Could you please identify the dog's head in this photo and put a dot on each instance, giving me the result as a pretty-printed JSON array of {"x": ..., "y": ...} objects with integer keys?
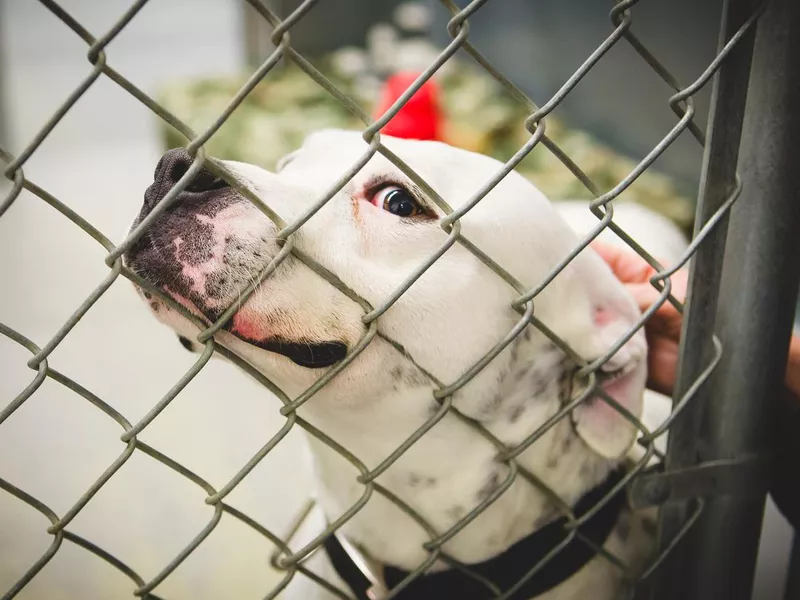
[{"x": 373, "y": 234}]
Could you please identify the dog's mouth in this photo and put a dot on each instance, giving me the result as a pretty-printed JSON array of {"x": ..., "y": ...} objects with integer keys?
[
  {"x": 305, "y": 354},
  {"x": 316, "y": 355}
]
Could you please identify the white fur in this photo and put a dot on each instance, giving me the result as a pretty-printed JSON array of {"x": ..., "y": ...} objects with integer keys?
[
  {"x": 655, "y": 233},
  {"x": 456, "y": 312}
]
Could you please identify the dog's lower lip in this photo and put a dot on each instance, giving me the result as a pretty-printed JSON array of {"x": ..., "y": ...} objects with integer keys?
[{"x": 309, "y": 355}]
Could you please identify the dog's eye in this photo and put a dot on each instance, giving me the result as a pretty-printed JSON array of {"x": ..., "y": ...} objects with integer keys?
[{"x": 397, "y": 201}]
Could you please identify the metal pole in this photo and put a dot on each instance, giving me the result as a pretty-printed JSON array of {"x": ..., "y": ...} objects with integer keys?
[
  {"x": 718, "y": 181},
  {"x": 756, "y": 308},
  {"x": 792, "y": 591}
]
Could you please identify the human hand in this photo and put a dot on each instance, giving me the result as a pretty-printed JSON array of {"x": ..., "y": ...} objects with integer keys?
[
  {"x": 793, "y": 367},
  {"x": 663, "y": 329}
]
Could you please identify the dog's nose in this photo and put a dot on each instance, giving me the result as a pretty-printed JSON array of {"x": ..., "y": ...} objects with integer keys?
[{"x": 172, "y": 166}]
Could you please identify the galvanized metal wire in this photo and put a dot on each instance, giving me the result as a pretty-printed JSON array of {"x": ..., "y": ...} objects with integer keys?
[{"x": 288, "y": 557}]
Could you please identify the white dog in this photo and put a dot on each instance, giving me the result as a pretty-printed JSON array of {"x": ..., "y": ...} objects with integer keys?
[{"x": 373, "y": 234}]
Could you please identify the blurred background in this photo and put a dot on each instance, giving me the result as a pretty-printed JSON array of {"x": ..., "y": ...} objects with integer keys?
[{"x": 192, "y": 55}]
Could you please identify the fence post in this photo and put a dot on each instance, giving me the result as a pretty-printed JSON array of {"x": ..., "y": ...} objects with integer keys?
[
  {"x": 759, "y": 290},
  {"x": 754, "y": 318},
  {"x": 717, "y": 183},
  {"x": 792, "y": 590}
]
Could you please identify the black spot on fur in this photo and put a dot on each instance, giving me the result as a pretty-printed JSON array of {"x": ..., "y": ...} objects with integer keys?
[
  {"x": 411, "y": 378},
  {"x": 186, "y": 343},
  {"x": 148, "y": 295},
  {"x": 155, "y": 306},
  {"x": 414, "y": 378},
  {"x": 234, "y": 252},
  {"x": 213, "y": 315},
  {"x": 415, "y": 480},
  {"x": 216, "y": 283},
  {"x": 420, "y": 481},
  {"x": 198, "y": 240},
  {"x": 491, "y": 484},
  {"x": 456, "y": 511},
  {"x": 514, "y": 351},
  {"x": 563, "y": 450},
  {"x": 516, "y": 413}
]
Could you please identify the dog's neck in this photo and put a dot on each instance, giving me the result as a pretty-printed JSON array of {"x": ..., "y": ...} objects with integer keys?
[{"x": 452, "y": 468}]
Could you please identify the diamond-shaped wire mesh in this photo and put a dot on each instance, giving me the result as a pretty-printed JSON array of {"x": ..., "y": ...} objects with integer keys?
[{"x": 289, "y": 557}]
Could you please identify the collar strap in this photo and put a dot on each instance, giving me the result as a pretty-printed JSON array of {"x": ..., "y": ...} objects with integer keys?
[{"x": 504, "y": 570}]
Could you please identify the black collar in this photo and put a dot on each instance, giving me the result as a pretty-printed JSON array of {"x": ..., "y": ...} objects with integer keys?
[{"x": 508, "y": 568}]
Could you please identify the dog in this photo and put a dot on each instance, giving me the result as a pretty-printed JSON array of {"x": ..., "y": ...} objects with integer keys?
[{"x": 373, "y": 234}]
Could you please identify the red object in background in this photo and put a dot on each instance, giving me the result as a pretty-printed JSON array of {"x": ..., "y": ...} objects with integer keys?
[{"x": 420, "y": 118}]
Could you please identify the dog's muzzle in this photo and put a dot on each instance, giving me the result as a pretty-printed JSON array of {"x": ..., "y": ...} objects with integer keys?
[
  {"x": 183, "y": 253},
  {"x": 173, "y": 165}
]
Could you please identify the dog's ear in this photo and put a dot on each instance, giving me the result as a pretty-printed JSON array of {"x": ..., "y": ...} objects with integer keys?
[{"x": 601, "y": 314}]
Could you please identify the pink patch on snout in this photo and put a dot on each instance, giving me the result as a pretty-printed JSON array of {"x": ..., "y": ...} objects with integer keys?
[
  {"x": 248, "y": 328},
  {"x": 602, "y": 316}
]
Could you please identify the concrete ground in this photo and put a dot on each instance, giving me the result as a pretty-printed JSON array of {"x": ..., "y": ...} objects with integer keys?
[{"x": 98, "y": 161}]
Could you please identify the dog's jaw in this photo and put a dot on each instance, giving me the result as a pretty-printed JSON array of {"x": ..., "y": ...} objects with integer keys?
[{"x": 451, "y": 469}]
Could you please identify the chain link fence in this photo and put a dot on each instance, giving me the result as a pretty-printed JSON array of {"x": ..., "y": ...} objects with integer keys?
[{"x": 647, "y": 485}]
